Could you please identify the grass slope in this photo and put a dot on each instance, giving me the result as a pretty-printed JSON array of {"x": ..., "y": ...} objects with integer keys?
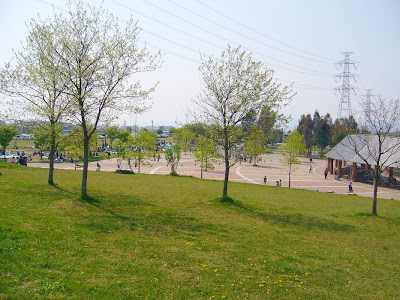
[{"x": 163, "y": 237}]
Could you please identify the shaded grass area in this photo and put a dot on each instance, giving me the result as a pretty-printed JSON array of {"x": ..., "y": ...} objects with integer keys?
[{"x": 164, "y": 237}]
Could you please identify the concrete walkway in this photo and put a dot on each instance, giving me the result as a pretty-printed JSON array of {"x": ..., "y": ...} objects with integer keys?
[{"x": 270, "y": 166}]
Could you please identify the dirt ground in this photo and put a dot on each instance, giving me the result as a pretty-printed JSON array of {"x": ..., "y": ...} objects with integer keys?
[{"x": 270, "y": 166}]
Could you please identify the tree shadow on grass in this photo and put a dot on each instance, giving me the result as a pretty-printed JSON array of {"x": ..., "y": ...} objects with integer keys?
[
  {"x": 58, "y": 187},
  {"x": 96, "y": 203},
  {"x": 291, "y": 219}
]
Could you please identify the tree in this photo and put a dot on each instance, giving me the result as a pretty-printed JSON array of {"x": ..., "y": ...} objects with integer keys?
[
  {"x": 380, "y": 149},
  {"x": 143, "y": 145},
  {"x": 255, "y": 143},
  {"x": 7, "y": 133},
  {"x": 235, "y": 85},
  {"x": 111, "y": 133},
  {"x": 291, "y": 148},
  {"x": 48, "y": 135},
  {"x": 37, "y": 78},
  {"x": 306, "y": 129},
  {"x": 99, "y": 59},
  {"x": 341, "y": 128},
  {"x": 184, "y": 136},
  {"x": 272, "y": 122},
  {"x": 74, "y": 144},
  {"x": 173, "y": 156},
  {"x": 206, "y": 153},
  {"x": 322, "y": 130}
]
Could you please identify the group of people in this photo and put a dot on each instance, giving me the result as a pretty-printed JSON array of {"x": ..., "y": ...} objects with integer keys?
[{"x": 277, "y": 183}]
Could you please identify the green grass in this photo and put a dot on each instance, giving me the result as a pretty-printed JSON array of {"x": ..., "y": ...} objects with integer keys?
[{"x": 164, "y": 237}]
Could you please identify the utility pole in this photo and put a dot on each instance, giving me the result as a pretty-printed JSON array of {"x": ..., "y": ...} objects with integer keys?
[{"x": 346, "y": 88}]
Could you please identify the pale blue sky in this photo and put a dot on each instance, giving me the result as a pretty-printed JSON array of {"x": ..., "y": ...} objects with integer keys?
[{"x": 279, "y": 33}]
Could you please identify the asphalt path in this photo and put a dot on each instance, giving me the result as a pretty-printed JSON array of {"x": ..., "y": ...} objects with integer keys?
[{"x": 270, "y": 166}]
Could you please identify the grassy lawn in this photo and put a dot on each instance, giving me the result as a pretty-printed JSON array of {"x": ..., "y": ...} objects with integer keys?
[{"x": 162, "y": 237}]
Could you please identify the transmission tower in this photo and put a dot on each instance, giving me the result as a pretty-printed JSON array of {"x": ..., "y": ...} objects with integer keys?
[{"x": 345, "y": 89}]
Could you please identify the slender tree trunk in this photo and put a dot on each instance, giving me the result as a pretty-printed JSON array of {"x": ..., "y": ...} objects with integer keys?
[
  {"x": 139, "y": 163},
  {"x": 375, "y": 196},
  {"x": 290, "y": 171},
  {"x": 226, "y": 157},
  {"x": 85, "y": 165},
  {"x": 51, "y": 155}
]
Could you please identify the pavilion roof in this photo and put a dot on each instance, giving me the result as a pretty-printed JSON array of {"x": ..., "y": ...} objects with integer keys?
[{"x": 362, "y": 148}]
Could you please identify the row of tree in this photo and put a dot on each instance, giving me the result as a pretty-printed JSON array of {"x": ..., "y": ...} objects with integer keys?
[
  {"x": 79, "y": 67},
  {"x": 320, "y": 132}
]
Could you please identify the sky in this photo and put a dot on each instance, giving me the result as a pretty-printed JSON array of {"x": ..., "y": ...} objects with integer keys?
[{"x": 300, "y": 40}]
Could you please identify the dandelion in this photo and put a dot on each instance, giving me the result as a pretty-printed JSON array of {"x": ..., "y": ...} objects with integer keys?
[
  {"x": 261, "y": 285},
  {"x": 216, "y": 270},
  {"x": 232, "y": 284}
]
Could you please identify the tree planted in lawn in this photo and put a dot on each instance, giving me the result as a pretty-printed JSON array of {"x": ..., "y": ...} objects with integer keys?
[
  {"x": 380, "y": 149},
  {"x": 99, "y": 59},
  {"x": 36, "y": 77},
  {"x": 235, "y": 85}
]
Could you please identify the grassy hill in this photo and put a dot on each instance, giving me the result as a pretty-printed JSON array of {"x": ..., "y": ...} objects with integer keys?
[{"x": 163, "y": 237}]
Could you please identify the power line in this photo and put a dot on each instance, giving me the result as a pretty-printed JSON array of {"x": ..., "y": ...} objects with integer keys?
[
  {"x": 297, "y": 85},
  {"x": 314, "y": 72},
  {"x": 245, "y": 36},
  {"x": 165, "y": 24},
  {"x": 264, "y": 35}
]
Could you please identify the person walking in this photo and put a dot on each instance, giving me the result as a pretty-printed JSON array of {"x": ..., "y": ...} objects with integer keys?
[
  {"x": 98, "y": 167},
  {"x": 265, "y": 179},
  {"x": 350, "y": 188},
  {"x": 326, "y": 173}
]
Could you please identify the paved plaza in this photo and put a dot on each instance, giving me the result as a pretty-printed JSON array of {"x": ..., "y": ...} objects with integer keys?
[{"x": 270, "y": 166}]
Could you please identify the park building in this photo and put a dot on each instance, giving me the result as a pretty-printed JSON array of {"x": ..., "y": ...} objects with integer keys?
[{"x": 356, "y": 154}]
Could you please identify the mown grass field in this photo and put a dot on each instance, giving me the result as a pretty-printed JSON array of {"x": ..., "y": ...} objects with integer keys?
[{"x": 163, "y": 237}]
